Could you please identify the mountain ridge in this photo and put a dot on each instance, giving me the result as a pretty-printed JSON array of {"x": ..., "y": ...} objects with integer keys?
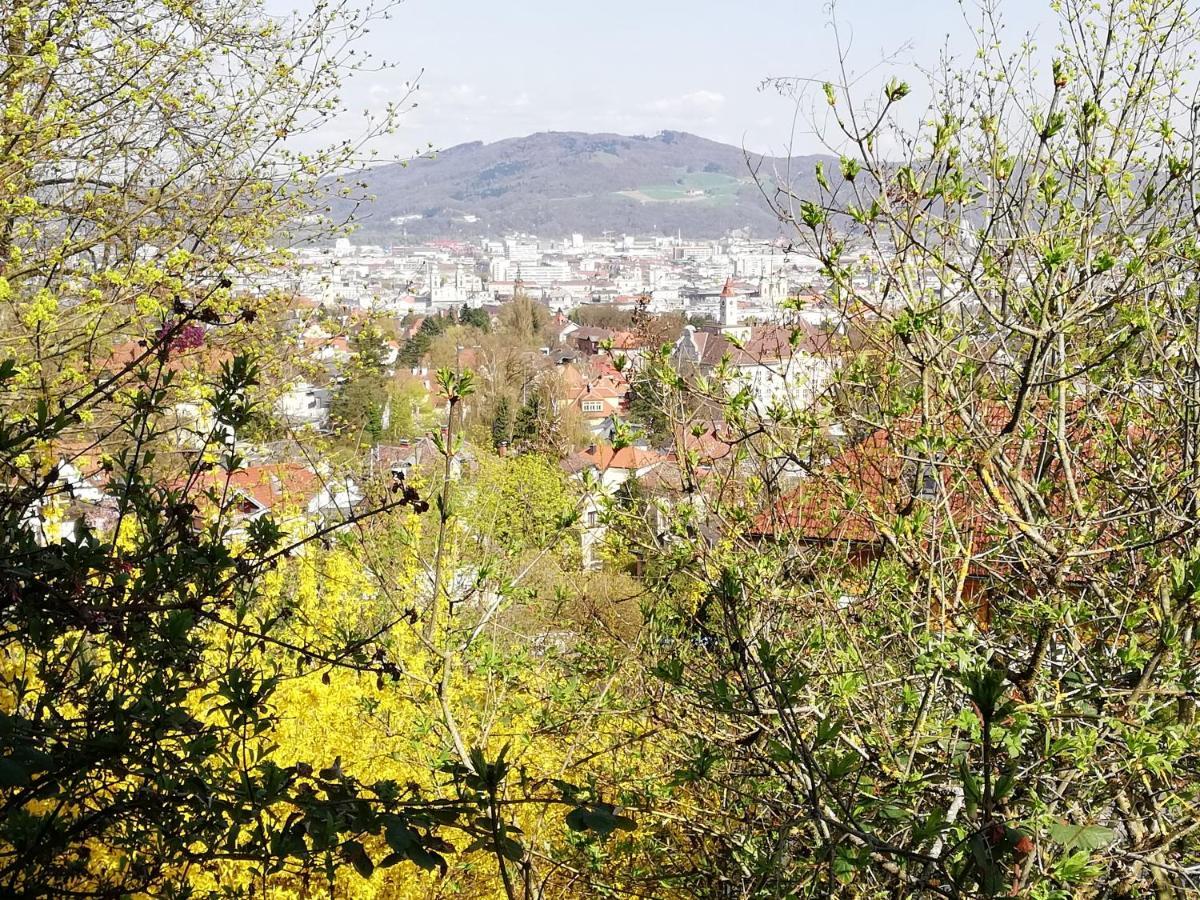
[{"x": 554, "y": 183}]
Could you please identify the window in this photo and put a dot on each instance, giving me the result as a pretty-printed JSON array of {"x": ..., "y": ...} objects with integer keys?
[
  {"x": 928, "y": 487},
  {"x": 592, "y": 518},
  {"x": 593, "y": 406}
]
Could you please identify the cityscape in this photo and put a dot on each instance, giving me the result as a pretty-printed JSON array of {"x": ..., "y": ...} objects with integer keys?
[{"x": 644, "y": 451}]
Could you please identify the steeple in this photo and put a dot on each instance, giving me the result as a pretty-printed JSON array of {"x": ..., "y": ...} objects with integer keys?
[{"x": 729, "y": 310}]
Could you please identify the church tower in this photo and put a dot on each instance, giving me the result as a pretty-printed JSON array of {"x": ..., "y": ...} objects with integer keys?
[
  {"x": 731, "y": 325},
  {"x": 729, "y": 310}
]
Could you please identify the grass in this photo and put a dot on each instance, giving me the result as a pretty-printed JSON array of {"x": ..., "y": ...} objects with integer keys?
[{"x": 717, "y": 188}]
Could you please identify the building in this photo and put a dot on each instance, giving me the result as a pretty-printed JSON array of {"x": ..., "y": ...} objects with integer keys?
[
  {"x": 602, "y": 470},
  {"x": 763, "y": 359}
]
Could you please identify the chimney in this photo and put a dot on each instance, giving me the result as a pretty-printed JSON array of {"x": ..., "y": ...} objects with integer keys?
[
  {"x": 591, "y": 449},
  {"x": 502, "y": 449}
]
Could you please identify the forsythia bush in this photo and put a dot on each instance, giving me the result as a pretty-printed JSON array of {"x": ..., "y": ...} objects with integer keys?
[{"x": 392, "y": 729}]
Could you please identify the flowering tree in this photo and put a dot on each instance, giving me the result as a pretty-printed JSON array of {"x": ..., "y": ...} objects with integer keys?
[{"x": 148, "y": 168}]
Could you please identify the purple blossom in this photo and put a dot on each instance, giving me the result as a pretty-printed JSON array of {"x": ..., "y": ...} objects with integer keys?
[{"x": 186, "y": 338}]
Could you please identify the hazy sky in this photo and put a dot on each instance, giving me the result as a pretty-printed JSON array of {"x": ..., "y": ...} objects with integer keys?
[{"x": 501, "y": 69}]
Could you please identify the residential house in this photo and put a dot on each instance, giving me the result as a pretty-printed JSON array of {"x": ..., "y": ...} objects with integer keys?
[
  {"x": 290, "y": 491},
  {"x": 603, "y": 469},
  {"x": 764, "y": 359},
  {"x": 305, "y": 404},
  {"x": 598, "y": 398},
  {"x": 881, "y": 491},
  {"x": 76, "y": 498}
]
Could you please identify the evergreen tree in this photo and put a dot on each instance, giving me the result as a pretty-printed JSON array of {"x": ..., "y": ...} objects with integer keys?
[
  {"x": 358, "y": 406},
  {"x": 418, "y": 345},
  {"x": 475, "y": 317},
  {"x": 646, "y": 408},
  {"x": 370, "y": 347},
  {"x": 528, "y": 421},
  {"x": 501, "y": 426},
  {"x": 374, "y": 423}
]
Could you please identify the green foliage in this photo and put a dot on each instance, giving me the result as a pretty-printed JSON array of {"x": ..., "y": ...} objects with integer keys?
[
  {"x": 359, "y": 404},
  {"x": 370, "y": 348},
  {"x": 950, "y": 652},
  {"x": 526, "y": 321},
  {"x": 418, "y": 345},
  {"x": 476, "y": 317},
  {"x": 501, "y": 426},
  {"x": 518, "y": 504}
]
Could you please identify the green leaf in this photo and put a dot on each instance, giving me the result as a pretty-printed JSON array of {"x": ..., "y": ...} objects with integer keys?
[
  {"x": 510, "y": 849},
  {"x": 599, "y": 819},
  {"x": 400, "y": 837},
  {"x": 356, "y": 855},
  {"x": 1083, "y": 837},
  {"x": 896, "y": 90},
  {"x": 12, "y": 774},
  {"x": 427, "y": 859}
]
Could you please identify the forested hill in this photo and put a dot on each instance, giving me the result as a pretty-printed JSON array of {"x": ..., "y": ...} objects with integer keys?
[{"x": 556, "y": 183}]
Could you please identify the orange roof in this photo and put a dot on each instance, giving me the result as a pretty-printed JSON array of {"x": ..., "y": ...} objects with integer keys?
[
  {"x": 625, "y": 340},
  {"x": 708, "y": 446},
  {"x": 340, "y": 342},
  {"x": 603, "y": 388},
  {"x": 605, "y": 458},
  {"x": 207, "y": 359},
  {"x": 267, "y": 485},
  {"x": 873, "y": 483}
]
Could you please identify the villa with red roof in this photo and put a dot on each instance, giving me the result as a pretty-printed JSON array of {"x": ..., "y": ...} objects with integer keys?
[{"x": 608, "y": 468}]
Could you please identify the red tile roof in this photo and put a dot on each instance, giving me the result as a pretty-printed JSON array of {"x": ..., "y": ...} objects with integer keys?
[
  {"x": 205, "y": 358},
  {"x": 268, "y": 485},
  {"x": 870, "y": 485},
  {"x": 604, "y": 458}
]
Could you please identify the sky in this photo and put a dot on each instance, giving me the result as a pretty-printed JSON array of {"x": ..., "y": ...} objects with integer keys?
[{"x": 490, "y": 70}]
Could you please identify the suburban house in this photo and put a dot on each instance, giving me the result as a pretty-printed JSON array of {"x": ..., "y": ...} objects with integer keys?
[
  {"x": 763, "y": 359},
  {"x": 397, "y": 460},
  {"x": 587, "y": 339},
  {"x": 605, "y": 469},
  {"x": 853, "y": 503},
  {"x": 288, "y": 490},
  {"x": 880, "y": 492},
  {"x": 305, "y": 404},
  {"x": 599, "y": 398}
]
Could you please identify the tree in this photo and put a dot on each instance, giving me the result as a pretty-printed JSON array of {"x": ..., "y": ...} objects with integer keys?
[
  {"x": 958, "y": 658},
  {"x": 417, "y": 346},
  {"x": 526, "y": 321},
  {"x": 647, "y": 408},
  {"x": 527, "y": 426},
  {"x": 370, "y": 348},
  {"x": 520, "y": 505},
  {"x": 501, "y": 427},
  {"x": 411, "y": 411},
  {"x": 145, "y": 172},
  {"x": 359, "y": 404},
  {"x": 476, "y": 317},
  {"x": 602, "y": 316}
]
